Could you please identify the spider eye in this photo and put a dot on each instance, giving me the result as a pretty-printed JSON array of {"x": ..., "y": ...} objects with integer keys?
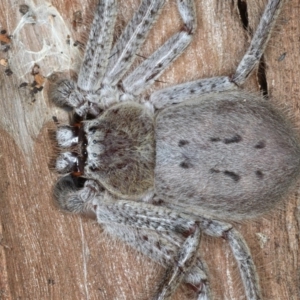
[
  {"x": 93, "y": 168},
  {"x": 93, "y": 129}
]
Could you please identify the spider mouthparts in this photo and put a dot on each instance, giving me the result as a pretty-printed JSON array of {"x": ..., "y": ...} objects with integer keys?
[
  {"x": 67, "y": 136},
  {"x": 69, "y": 162},
  {"x": 77, "y": 173},
  {"x": 78, "y": 169}
]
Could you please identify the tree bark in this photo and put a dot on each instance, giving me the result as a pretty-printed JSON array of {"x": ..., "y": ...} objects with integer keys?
[{"x": 45, "y": 254}]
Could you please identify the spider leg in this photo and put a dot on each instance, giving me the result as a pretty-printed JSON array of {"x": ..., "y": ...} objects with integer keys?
[
  {"x": 240, "y": 251},
  {"x": 198, "y": 280},
  {"x": 170, "y": 238},
  {"x": 98, "y": 47},
  {"x": 75, "y": 195},
  {"x": 148, "y": 216},
  {"x": 123, "y": 53},
  {"x": 186, "y": 91},
  {"x": 163, "y": 248},
  {"x": 189, "y": 90},
  {"x": 259, "y": 42},
  {"x": 146, "y": 73},
  {"x": 63, "y": 92}
]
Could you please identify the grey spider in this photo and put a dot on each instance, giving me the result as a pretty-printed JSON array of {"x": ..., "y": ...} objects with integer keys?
[{"x": 158, "y": 172}]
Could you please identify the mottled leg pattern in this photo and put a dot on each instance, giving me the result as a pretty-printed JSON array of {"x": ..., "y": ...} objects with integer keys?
[
  {"x": 169, "y": 237},
  {"x": 197, "y": 279},
  {"x": 245, "y": 262},
  {"x": 123, "y": 53},
  {"x": 98, "y": 47},
  {"x": 187, "y": 91},
  {"x": 147, "y": 72},
  {"x": 185, "y": 260},
  {"x": 103, "y": 68},
  {"x": 160, "y": 219},
  {"x": 258, "y": 43},
  {"x": 240, "y": 251},
  {"x": 163, "y": 247}
]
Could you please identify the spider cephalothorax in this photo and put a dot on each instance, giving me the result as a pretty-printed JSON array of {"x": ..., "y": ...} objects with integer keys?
[{"x": 158, "y": 172}]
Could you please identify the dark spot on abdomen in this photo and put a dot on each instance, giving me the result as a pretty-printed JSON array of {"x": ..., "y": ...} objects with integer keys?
[
  {"x": 185, "y": 164},
  {"x": 233, "y": 175},
  {"x": 215, "y": 139},
  {"x": 259, "y": 174},
  {"x": 260, "y": 145},
  {"x": 235, "y": 139},
  {"x": 183, "y": 143},
  {"x": 158, "y": 246}
]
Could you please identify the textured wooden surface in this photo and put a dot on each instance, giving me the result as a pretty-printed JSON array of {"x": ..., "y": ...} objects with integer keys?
[{"x": 45, "y": 254}]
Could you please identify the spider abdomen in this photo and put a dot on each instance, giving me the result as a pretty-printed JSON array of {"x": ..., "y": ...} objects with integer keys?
[
  {"x": 232, "y": 157},
  {"x": 121, "y": 150}
]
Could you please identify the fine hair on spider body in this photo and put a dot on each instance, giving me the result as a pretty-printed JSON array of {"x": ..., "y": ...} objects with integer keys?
[{"x": 159, "y": 172}]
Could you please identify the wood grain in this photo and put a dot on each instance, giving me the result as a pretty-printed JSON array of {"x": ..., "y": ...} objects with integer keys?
[{"x": 45, "y": 254}]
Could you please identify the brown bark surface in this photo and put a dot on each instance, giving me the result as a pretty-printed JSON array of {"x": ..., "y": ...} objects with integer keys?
[{"x": 45, "y": 254}]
